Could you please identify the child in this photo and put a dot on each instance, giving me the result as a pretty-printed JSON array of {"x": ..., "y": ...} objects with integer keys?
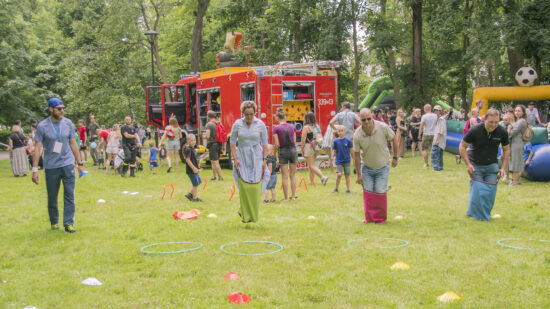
[
  {"x": 192, "y": 168},
  {"x": 82, "y": 136},
  {"x": 162, "y": 154},
  {"x": 99, "y": 152},
  {"x": 271, "y": 164},
  {"x": 342, "y": 152},
  {"x": 527, "y": 153},
  {"x": 153, "y": 161}
]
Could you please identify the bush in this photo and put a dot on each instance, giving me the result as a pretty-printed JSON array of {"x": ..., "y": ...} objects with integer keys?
[{"x": 4, "y": 135}]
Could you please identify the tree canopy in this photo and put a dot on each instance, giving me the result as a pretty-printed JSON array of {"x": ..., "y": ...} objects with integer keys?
[{"x": 96, "y": 57}]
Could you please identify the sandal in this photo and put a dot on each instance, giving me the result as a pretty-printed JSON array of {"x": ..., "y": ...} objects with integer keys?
[
  {"x": 266, "y": 201},
  {"x": 293, "y": 198},
  {"x": 272, "y": 201}
]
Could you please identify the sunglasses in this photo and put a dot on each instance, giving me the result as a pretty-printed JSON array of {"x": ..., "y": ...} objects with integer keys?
[
  {"x": 60, "y": 108},
  {"x": 366, "y": 119}
]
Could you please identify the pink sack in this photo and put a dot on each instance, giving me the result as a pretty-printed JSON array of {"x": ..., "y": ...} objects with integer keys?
[{"x": 376, "y": 207}]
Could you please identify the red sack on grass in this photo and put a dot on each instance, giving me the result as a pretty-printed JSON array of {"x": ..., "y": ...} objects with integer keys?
[
  {"x": 238, "y": 297},
  {"x": 232, "y": 276},
  {"x": 186, "y": 215}
]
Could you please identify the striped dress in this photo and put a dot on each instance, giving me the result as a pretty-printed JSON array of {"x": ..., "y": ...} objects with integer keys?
[{"x": 19, "y": 158}]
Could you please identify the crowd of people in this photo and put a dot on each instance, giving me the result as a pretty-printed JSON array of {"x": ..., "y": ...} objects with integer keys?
[{"x": 364, "y": 139}]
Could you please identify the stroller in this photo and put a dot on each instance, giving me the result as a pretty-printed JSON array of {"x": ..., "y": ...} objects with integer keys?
[{"x": 119, "y": 160}]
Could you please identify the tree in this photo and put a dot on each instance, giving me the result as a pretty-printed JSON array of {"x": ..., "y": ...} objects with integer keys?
[{"x": 196, "y": 42}]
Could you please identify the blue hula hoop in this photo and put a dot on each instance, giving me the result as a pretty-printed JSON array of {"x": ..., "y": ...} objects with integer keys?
[
  {"x": 171, "y": 252},
  {"x": 501, "y": 243},
  {"x": 404, "y": 243},
  {"x": 222, "y": 247}
]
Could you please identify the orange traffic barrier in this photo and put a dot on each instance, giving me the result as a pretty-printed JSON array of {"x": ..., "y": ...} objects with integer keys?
[
  {"x": 205, "y": 182},
  {"x": 164, "y": 190},
  {"x": 303, "y": 180},
  {"x": 312, "y": 177},
  {"x": 232, "y": 192}
]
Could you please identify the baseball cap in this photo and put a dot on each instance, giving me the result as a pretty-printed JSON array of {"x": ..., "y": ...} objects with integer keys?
[
  {"x": 54, "y": 102},
  {"x": 437, "y": 108}
]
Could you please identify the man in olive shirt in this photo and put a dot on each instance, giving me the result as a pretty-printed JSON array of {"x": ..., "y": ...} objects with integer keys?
[
  {"x": 131, "y": 145},
  {"x": 214, "y": 148},
  {"x": 371, "y": 141}
]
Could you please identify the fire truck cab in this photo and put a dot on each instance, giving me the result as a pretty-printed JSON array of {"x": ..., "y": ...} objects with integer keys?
[{"x": 297, "y": 87}]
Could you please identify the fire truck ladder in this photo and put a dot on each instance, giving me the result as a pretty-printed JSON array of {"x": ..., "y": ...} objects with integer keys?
[{"x": 311, "y": 67}]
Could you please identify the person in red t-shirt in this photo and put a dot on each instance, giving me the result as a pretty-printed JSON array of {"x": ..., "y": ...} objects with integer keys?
[
  {"x": 82, "y": 136},
  {"x": 104, "y": 134}
]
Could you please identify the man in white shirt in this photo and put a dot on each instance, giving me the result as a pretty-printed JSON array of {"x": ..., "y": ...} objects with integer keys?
[
  {"x": 533, "y": 117},
  {"x": 427, "y": 131},
  {"x": 440, "y": 140}
]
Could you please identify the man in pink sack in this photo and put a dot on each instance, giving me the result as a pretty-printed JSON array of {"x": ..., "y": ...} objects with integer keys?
[{"x": 371, "y": 140}]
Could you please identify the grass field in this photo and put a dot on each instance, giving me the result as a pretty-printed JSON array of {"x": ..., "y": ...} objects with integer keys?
[{"x": 447, "y": 251}]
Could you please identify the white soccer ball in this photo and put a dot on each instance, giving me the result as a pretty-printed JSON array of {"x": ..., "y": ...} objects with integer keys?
[{"x": 526, "y": 76}]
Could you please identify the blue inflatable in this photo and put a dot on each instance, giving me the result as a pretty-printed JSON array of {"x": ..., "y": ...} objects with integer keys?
[
  {"x": 539, "y": 167},
  {"x": 453, "y": 141}
]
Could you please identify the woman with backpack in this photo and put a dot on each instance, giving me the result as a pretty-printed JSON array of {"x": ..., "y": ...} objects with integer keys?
[
  {"x": 515, "y": 133},
  {"x": 19, "y": 151},
  {"x": 172, "y": 134},
  {"x": 312, "y": 141},
  {"x": 284, "y": 140}
]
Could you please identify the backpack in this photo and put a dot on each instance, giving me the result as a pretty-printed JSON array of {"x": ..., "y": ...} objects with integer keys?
[
  {"x": 221, "y": 134},
  {"x": 527, "y": 135}
]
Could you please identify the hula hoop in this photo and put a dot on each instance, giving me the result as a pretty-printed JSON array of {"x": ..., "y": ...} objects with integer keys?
[
  {"x": 171, "y": 252},
  {"x": 404, "y": 243},
  {"x": 222, "y": 248},
  {"x": 501, "y": 243}
]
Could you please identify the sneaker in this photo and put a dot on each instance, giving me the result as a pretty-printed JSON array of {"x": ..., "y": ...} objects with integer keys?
[
  {"x": 196, "y": 200},
  {"x": 189, "y": 196},
  {"x": 334, "y": 191},
  {"x": 348, "y": 191},
  {"x": 458, "y": 159},
  {"x": 70, "y": 229},
  {"x": 55, "y": 226},
  {"x": 213, "y": 178},
  {"x": 324, "y": 180},
  {"x": 169, "y": 169},
  {"x": 266, "y": 201}
]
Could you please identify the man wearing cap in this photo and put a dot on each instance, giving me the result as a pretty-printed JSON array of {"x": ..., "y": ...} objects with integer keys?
[
  {"x": 481, "y": 161},
  {"x": 426, "y": 131},
  {"x": 370, "y": 142},
  {"x": 56, "y": 135},
  {"x": 533, "y": 117},
  {"x": 440, "y": 139}
]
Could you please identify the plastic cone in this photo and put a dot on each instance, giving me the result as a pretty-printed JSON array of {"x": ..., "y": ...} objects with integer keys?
[{"x": 448, "y": 297}]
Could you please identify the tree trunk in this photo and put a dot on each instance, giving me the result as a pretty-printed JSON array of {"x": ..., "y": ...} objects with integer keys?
[
  {"x": 417, "y": 47},
  {"x": 264, "y": 36},
  {"x": 296, "y": 30},
  {"x": 465, "y": 70},
  {"x": 196, "y": 41},
  {"x": 515, "y": 61},
  {"x": 355, "y": 56}
]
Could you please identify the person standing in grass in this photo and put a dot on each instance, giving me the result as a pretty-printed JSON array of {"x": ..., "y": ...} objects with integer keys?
[
  {"x": 249, "y": 159},
  {"x": 481, "y": 161},
  {"x": 172, "y": 135},
  {"x": 284, "y": 140},
  {"x": 56, "y": 135},
  {"x": 440, "y": 139},
  {"x": 215, "y": 148},
  {"x": 192, "y": 168},
  {"x": 426, "y": 132},
  {"x": 342, "y": 150},
  {"x": 153, "y": 161},
  {"x": 83, "y": 139},
  {"x": 131, "y": 146},
  {"x": 271, "y": 165},
  {"x": 371, "y": 143}
]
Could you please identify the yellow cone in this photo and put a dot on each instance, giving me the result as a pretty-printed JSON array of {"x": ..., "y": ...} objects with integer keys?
[
  {"x": 398, "y": 218},
  {"x": 400, "y": 266},
  {"x": 311, "y": 217},
  {"x": 213, "y": 216},
  {"x": 496, "y": 216},
  {"x": 448, "y": 297}
]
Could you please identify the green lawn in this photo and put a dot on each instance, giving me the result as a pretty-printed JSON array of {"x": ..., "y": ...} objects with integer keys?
[{"x": 447, "y": 251}]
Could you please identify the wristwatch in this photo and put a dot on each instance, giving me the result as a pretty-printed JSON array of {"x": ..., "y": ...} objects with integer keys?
[
  {"x": 395, "y": 158},
  {"x": 80, "y": 164}
]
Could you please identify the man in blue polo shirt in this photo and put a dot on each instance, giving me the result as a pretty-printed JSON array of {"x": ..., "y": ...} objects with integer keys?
[{"x": 56, "y": 135}]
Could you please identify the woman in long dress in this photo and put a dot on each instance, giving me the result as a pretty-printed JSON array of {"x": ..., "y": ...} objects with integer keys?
[
  {"x": 401, "y": 132},
  {"x": 515, "y": 132},
  {"x": 17, "y": 145},
  {"x": 113, "y": 145},
  {"x": 249, "y": 160}
]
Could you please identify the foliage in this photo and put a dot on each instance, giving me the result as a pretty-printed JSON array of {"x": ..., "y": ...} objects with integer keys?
[{"x": 447, "y": 251}]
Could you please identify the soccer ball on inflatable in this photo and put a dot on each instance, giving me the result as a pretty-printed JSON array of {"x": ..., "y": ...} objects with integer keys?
[{"x": 526, "y": 76}]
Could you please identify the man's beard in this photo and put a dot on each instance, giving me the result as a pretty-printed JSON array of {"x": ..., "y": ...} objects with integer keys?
[{"x": 56, "y": 117}]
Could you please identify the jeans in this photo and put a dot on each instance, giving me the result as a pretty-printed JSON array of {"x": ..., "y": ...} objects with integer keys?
[
  {"x": 486, "y": 173},
  {"x": 54, "y": 176},
  {"x": 437, "y": 158},
  {"x": 375, "y": 180}
]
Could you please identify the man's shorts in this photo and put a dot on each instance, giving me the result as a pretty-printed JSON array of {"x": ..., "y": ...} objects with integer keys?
[
  {"x": 343, "y": 168},
  {"x": 195, "y": 179},
  {"x": 153, "y": 163},
  {"x": 214, "y": 151},
  {"x": 288, "y": 155},
  {"x": 427, "y": 141},
  {"x": 82, "y": 145}
]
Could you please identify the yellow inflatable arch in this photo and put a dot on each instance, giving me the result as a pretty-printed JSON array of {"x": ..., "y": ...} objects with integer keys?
[{"x": 487, "y": 94}]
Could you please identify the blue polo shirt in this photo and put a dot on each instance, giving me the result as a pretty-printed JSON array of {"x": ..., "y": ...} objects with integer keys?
[{"x": 47, "y": 133}]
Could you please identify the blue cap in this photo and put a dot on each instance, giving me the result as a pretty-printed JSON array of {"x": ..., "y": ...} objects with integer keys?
[{"x": 53, "y": 102}]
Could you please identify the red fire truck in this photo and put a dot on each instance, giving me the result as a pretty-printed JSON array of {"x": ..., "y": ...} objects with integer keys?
[{"x": 297, "y": 87}]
